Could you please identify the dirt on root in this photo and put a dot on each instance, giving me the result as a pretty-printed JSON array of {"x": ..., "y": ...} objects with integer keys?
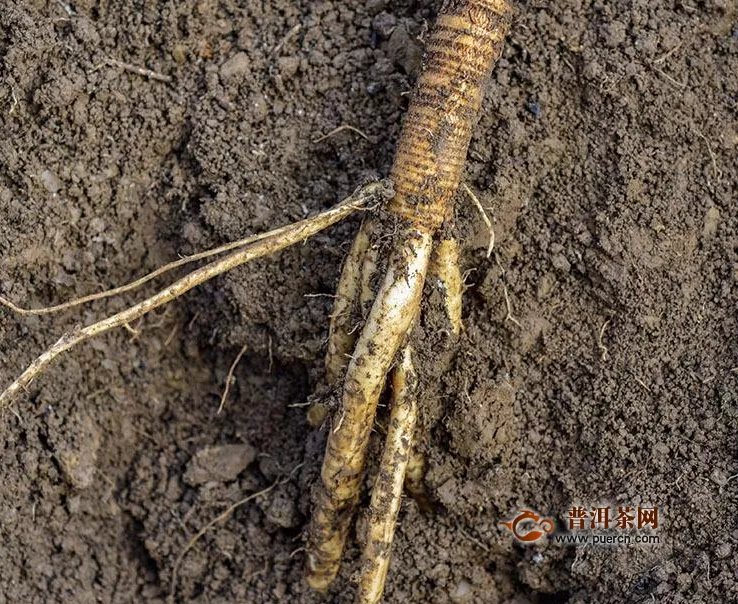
[{"x": 599, "y": 361}]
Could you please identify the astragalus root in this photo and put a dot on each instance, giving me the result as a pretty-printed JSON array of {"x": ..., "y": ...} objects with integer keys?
[{"x": 461, "y": 51}]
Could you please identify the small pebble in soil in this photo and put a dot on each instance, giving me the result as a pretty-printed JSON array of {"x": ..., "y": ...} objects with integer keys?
[
  {"x": 723, "y": 550},
  {"x": 463, "y": 592},
  {"x": 374, "y": 88},
  {"x": 560, "y": 263},
  {"x": 718, "y": 477},
  {"x": 218, "y": 464},
  {"x": 76, "y": 451},
  {"x": 282, "y": 509},
  {"x": 404, "y": 51},
  {"x": 288, "y": 66},
  {"x": 534, "y": 108},
  {"x": 179, "y": 54},
  {"x": 384, "y": 24},
  {"x": 51, "y": 182},
  {"x": 238, "y": 65}
]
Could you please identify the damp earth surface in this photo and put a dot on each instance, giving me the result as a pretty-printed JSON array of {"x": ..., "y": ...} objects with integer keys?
[{"x": 599, "y": 360}]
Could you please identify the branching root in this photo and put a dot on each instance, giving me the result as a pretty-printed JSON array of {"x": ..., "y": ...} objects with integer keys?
[
  {"x": 387, "y": 492},
  {"x": 445, "y": 268},
  {"x": 267, "y": 244},
  {"x": 426, "y": 172},
  {"x": 367, "y": 331},
  {"x": 391, "y": 317}
]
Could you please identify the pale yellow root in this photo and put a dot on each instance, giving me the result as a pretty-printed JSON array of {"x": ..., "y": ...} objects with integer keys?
[
  {"x": 391, "y": 317},
  {"x": 367, "y": 291},
  {"x": 341, "y": 335},
  {"x": 387, "y": 492},
  {"x": 445, "y": 268},
  {"x": 270, "y": 243},
  {"x": 415, "y": 480},
  {"x": 354, "y": 296},
  {"x": 133, "y": 285}
]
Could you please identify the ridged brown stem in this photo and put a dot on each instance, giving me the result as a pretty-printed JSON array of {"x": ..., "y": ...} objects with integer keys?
[{"x": 465, "y": 43}]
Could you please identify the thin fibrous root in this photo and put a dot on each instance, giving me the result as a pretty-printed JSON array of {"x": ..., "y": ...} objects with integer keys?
[
  {"x": 341, "y": 128},
  {"x": 369, "y": 191},
  {"x": 142, "y": 71},
  {"x": 229, "y": 378},
  {"x": 444, "y": 266},
  {"x": 133, "y": 285},
  {"x": 485, "y": 218},
  {"x": 221, "y": 518},
  {"x": 387, "y": 491},
  {"x": 391, "y": 317},
  {"x": 270, "y": 243}
]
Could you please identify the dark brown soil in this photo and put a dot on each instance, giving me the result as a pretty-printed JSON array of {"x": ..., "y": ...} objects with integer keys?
[{"x": 608, "y": 154}]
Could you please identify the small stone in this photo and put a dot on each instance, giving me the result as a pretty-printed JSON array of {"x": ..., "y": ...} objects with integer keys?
[
  {"x": 259, "y": 107},
  {"x": 718, "y": 478},
  {"x": 282, "y": 510},
  {"x": 74, "y": 503},
  {"x": 462, "y": 592},
  {"x": 179, "y": 53},
  {"x": 404, "y": 50},
  {"x": 534, "y": 108},
  {"x": 663, "y": 588},
  {"x": 710, "y": 225},
  {"x": 218, "y": 464},
  {"x": 50, "y": 181},
  {"x": 373, "y": 88},
  {"x": 615, "y": 34},
  {"x": 76, "y": 452},
  {"x": 238, "y": 65},
  {"x": 384, "y": 24},
  {"x": 288, "y": 66},
  {"x": 560, "y": 263},
  {"x": 448, "y": 492},
  {"x": 723, "y": 550},
  {"x": 545, "y": 285}
]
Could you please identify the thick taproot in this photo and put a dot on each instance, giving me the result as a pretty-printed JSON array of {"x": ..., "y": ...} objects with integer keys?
[{"x": 428, "y": 165}]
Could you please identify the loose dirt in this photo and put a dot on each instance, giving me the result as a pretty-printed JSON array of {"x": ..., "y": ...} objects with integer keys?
[{"x": 607, "y": 155}]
